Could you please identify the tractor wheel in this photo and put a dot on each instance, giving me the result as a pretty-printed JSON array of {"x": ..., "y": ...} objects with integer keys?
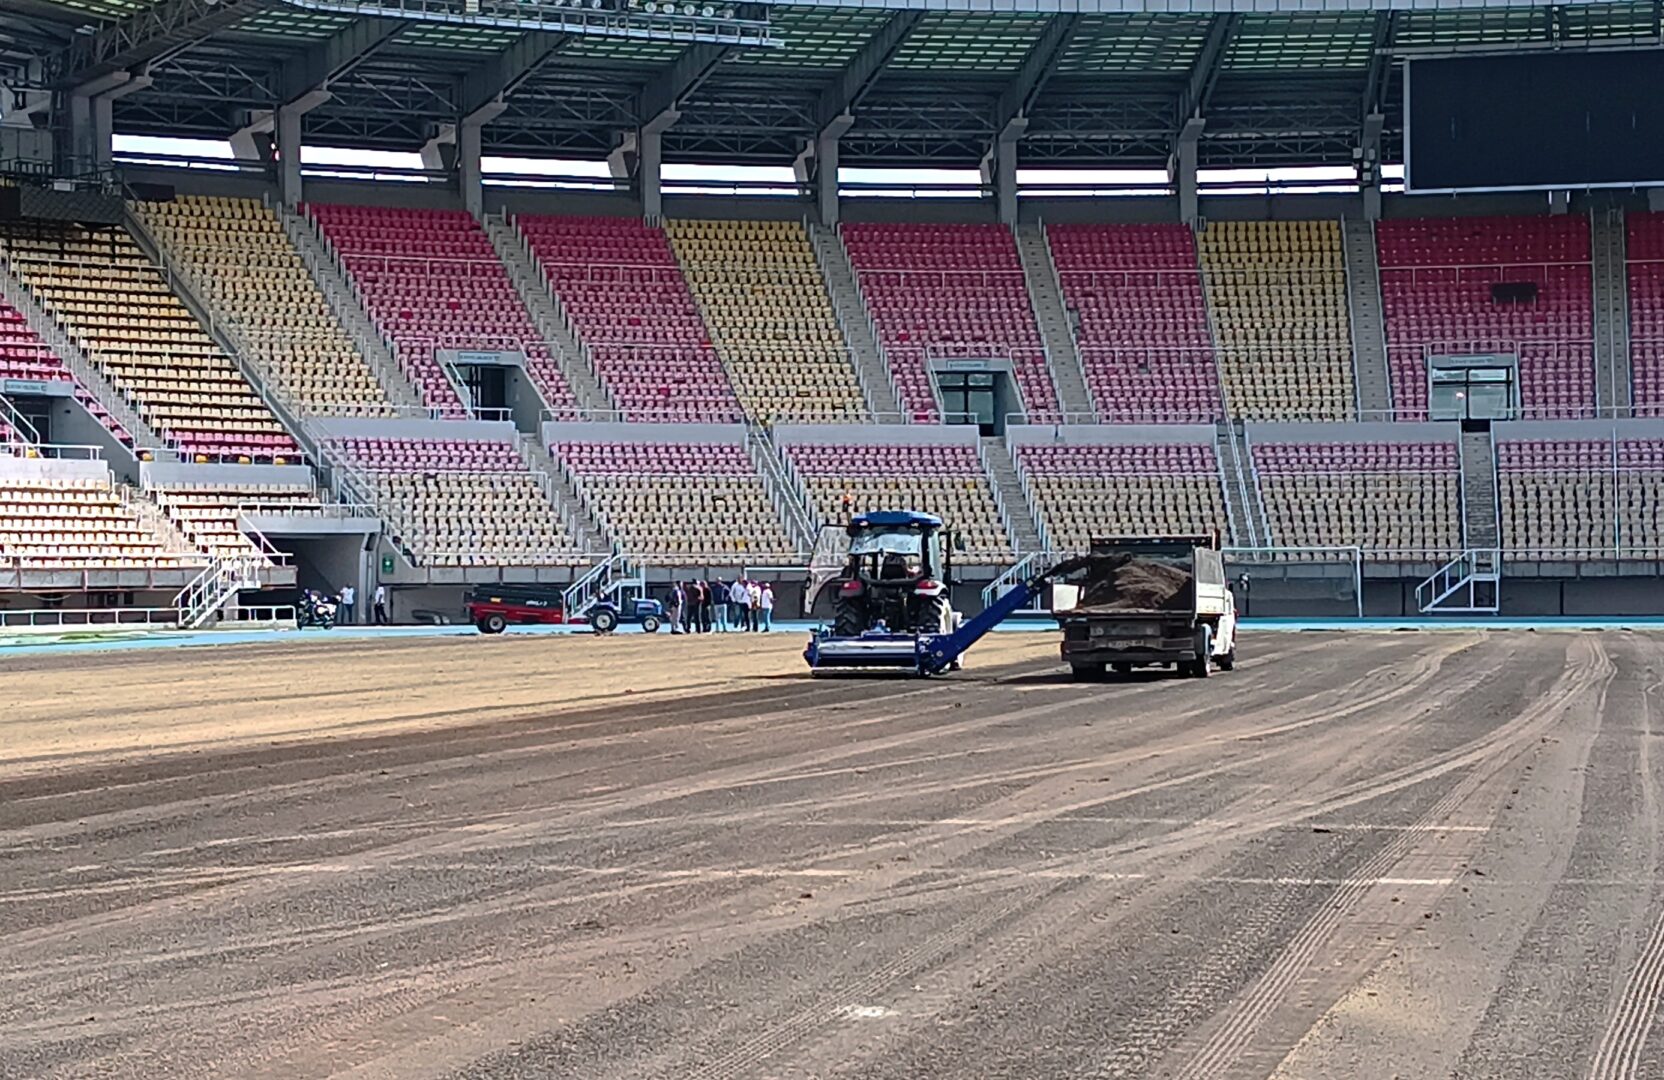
[
  {"x": 849, "y": 618},
  {"x": 604, "y": 621},
  {"x": 650, "y": 624},
  {"x": 933, "y": 614}
]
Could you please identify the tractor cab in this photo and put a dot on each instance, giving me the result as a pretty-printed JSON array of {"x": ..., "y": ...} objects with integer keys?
[{"x": 896, "y": 574}]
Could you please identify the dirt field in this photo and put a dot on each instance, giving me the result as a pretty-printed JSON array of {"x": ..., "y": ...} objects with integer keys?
[{"x": 1399, "y": 855}]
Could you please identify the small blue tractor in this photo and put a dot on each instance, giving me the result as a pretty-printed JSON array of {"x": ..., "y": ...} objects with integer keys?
[{"x": 891, "y": 608}]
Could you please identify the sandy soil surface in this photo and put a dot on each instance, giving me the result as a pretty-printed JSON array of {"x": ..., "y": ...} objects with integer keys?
[
  {"x": 1370, "y": 856},
  {"x": 83, "y": 705}
]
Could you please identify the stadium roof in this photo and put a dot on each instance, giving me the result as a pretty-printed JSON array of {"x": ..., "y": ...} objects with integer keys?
[{"x": 1099, "y": 84}]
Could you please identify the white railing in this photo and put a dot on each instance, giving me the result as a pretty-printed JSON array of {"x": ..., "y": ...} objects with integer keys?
[
  {"x": 998, "y": 491},
  {"x": 212, "y": 589},
  {"x": 1467, "y": 583},
  {"x": 143, "y": 617},
  {"x": 602, "y": 580}
]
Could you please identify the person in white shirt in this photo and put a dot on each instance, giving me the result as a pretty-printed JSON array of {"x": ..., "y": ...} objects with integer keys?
[
  {"x": 754, "y": 605},
  {"x": 738, "y": 601},
  {"x": 767, "y": 605},
  {"x": 348, "y": 595},
  {"x": 378, "y": 611}
]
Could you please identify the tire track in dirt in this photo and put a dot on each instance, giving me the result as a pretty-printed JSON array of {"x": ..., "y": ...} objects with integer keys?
[{"x": 1232, "y": 1035}]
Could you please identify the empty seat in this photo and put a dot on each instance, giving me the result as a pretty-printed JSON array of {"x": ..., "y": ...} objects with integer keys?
[
  {"x": 462, "y": 503},
  {"x": 940, "y": 291},
  {"x": 1141, "y": 324},
  {"x": 1436, "y": 297},
  {"x": 1644, "y": 263},
  {"x": 948, "y": 481},
  {"x": 254, "y": 279},
  {"x": 1164, "y": 489},
  {"x": 620, "y": 285},
  {"x": 209, "y": 514},
  {"x": 761, "y": 294},
  {"x": 432, "y": 281},
  {"x": 56, "y": 523},
  {"x": 1277, "y": 294},
  {"x": 118, "y": 308},
  {"x": 1578, "y": 499},
  {"x": 1393, "y": 500},
  {"x": 700, "y": 502}
]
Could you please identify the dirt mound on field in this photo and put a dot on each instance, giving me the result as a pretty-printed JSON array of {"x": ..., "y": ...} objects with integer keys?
[{"x": 1115, "y": 583}]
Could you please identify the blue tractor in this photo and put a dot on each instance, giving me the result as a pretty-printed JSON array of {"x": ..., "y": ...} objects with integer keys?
[
  {"x": 891, "y": 611},
  {"x": 896, "y": 575}
]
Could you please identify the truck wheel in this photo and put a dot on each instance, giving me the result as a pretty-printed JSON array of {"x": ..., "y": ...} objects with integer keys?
[
  {"x": 1228, "y": 661},
  {"x": 1086, "y": 672},
  {"x": 1200, "y": 667},
  {"x": 493, "y": 624},
  {"x": 933, "y": 615},
  {"x": 848, "y": 619},
  {"x": 603, "y": 621},
  {"x": 1123, "y": 669},
  {"x": 650, "y": 624}
]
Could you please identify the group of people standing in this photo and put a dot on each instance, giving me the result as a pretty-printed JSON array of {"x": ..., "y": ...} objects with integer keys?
[{"x": 703, "y": 607}]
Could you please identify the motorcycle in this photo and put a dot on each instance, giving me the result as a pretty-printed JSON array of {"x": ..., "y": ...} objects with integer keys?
[{"x": 314, "y": 610}]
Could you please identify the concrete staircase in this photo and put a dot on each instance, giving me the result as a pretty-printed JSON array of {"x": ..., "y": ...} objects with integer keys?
[
  {"x": 1009, "y": 495},
  {"x": 349, "y": 311},
  {"x": 1370, "y": 372},
  {"x": 574, "y": 510},
  {"x": 1074, "y": 399},
  {"x": 1480, "y": 528},
  {"x": 87, "y": 373},
  {"x": 851, "y": 310},
  {"x": 1244, "y": 509},
  {"x": 1608, "y": 244},
  {"x": 547, "y": 315}
]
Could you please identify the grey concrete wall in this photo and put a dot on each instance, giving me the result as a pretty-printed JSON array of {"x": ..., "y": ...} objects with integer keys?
[
  {"x": 1353, "y": 432},
  {"x": 555, "y": 431},
  {"x": 175, "y": 472},
  {"x": 876, "y": 434},
  {"x": 1109, "y": 434},
  {"x": 456, "y": 430}
]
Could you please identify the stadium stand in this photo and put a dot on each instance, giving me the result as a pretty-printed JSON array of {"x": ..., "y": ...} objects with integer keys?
[
  {"x": 1394, "y": 500},
  {"x": 117, "y": 305},
  {"x": 207, "y": 514},
  {"x": 948, "y": 481},
  {"x": 620, "y": 284},
  {"x": 1166, "y": 489},
  {"x": 1143, "y": 332},
  {"x": 704, "y": 501},
  {"x": 1436, "y": 279},
  {"x": 1277, "y": 294},
  {"x": 255, "y": 279},
  {"x": 62, "y": 523},
  {"x": 431, "y": 280},
  {"x": 763, "y": 298},
  {"x": 462, "y": 503},
  {"x": 1644, "y": 258},
  {"x": 948, "y": 290},
  {"x": 1556, "y": 495}
]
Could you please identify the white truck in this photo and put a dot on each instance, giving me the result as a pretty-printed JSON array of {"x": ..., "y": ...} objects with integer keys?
[{"x": 1144, "y": 601}]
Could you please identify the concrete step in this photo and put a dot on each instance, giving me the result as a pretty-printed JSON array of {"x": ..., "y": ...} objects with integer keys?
[
  {"x": 851, "y": 310},
  {"x": 1480, "y": 526},
  {"x": 1074, "y": 398},
  {"x": 1244, "y": 507},
  {"x": 1613, "y": 377},
  {"x": 1371, "y": 373},
  {"x": 1009, "y": 495},
  {"x": 548, "y": 316},
  {"x": 573, "y": 508}
]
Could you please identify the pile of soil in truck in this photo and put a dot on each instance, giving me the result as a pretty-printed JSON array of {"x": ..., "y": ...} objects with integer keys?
[{"x": 1124, "y": 582}]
